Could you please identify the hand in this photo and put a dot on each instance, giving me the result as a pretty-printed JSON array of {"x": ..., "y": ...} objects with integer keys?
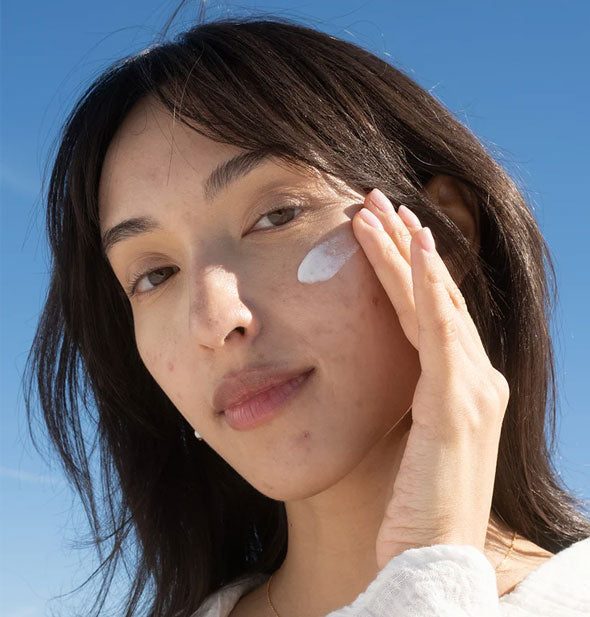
[{"x": 442, "y": 492}]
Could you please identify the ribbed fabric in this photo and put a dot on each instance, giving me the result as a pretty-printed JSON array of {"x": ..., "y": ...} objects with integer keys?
[{"x": 447, "y": 580}]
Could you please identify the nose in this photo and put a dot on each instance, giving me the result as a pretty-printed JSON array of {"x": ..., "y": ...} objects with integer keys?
[{"x": 217, "y": 313}]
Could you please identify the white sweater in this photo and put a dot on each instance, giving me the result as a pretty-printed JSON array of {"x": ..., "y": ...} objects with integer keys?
[{"x": 446, "y": 580}]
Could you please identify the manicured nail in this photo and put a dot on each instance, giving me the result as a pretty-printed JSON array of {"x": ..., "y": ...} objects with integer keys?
[
  {"x": 408, "y": 217},
  {"x": 381, "y": 202},
  {"x": 369, "y": 218},
  {"x": 426, "y": 240}
]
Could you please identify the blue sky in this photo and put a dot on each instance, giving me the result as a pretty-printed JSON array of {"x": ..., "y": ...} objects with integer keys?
[{"x": 514, "y": 73}]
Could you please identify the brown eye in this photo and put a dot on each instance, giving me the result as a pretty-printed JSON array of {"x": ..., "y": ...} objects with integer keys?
[
  {"x": 279, "y": 217},
  {"x": 157, "y": 274},
  {"x": 156, "y": 281}
]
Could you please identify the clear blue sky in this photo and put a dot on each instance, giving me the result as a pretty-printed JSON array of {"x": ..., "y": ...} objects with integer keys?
[{"x": 515, "y": 73}]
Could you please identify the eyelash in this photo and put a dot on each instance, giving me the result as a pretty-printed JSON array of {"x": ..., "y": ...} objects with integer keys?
[{"x": 138, "y": 276}]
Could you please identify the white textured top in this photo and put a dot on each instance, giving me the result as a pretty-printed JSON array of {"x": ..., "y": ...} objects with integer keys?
[{"x": 447, "y": 580}]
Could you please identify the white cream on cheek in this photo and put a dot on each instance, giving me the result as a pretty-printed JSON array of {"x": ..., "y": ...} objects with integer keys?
[{"x": 325, "y": 259}]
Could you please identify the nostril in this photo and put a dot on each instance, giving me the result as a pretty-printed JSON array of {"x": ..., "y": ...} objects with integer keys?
[{"x": 240, "y": 329}]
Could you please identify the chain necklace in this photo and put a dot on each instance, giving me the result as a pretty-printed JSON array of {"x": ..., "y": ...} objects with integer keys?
[{"x": 495, "y": 569}]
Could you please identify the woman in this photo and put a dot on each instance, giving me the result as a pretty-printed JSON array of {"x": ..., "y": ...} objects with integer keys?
[{"x": 291, "y": 374}]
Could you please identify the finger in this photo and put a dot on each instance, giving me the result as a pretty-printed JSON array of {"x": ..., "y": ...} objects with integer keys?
[
  {"x": 391, "y": 268},
  {"x": 400, "y": 227},
  {"x": 382, "y": 207},
  {"x": 413, "y": 224},
  {"x": 440, "y": 331},
  {"x": 395, "y": 276}
]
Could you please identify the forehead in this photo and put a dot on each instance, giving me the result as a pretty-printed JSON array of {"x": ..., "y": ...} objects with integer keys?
[
  {"x": 152, "y": 151},
  {"x": 155, "y": 159}
]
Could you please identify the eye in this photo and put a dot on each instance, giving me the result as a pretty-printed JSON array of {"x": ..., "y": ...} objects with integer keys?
[
  {"x": 136, "y": 279},
  {"x": 281, "y": 217},
  {"x": 278, "y": 218}
]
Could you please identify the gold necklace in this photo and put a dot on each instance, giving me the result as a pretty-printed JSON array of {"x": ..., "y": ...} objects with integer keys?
[{"x": 277, "y": 615}]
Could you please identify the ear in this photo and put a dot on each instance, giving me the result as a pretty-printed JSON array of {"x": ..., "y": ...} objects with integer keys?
[{"x": 458, "y": 202}]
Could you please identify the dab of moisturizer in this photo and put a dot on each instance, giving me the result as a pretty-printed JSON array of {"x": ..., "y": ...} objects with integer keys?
[{"x": 325, "y": 259}]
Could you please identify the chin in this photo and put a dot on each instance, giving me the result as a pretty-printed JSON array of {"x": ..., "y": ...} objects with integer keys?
[{"x": 293, "y": 480}]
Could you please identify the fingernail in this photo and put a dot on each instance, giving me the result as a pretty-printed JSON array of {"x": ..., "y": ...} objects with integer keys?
[
  {"x": 426, "y": 240},
  {"x": 381, "y": 202},
  {"x": 408, "y": 217},
  {"x": 370, "y": 218}
]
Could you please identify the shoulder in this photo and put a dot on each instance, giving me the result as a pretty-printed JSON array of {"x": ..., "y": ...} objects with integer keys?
[
  {"x": 558, "y": 585},
  {"x": 222, "y": 602}
]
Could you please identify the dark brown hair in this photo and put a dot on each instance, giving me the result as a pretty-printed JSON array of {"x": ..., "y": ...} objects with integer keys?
[{"x": 191, "y": 522}]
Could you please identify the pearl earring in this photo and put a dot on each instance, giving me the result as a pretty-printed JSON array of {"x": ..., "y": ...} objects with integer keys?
[{"x": 198, "y": 436}]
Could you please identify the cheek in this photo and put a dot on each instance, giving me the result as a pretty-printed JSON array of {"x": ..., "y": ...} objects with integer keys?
[
  {"x": 354, "y": 328},
  {"x": 329, "y": 318},
  {"x": 340, "y": 284},
  {"x": 326, "y": 259},
  {"x": 158, "y": 349}
]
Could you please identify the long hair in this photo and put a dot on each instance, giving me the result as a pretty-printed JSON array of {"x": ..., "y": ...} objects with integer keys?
[{"x": 280, "y": 87}]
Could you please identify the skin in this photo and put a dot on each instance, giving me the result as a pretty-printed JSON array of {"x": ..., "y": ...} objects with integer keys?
[{"x": 229, "y": 297}]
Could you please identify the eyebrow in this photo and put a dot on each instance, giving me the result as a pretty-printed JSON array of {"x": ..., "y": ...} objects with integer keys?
[{"x": 220, "y": 178}]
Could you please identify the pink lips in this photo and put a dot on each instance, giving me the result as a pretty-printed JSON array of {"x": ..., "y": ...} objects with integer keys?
[{"x": 264, "y": 405}]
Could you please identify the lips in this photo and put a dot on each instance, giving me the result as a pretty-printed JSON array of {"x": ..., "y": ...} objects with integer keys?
[
  {"x": 265, "y": 405},
  {"x": 237, "y": 388}
]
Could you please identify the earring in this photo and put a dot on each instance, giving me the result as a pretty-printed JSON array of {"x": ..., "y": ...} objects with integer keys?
[{"x": 198, "y": 436}]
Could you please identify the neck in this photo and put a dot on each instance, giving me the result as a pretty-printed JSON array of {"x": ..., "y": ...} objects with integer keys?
[{"x": 331, "y": 545}]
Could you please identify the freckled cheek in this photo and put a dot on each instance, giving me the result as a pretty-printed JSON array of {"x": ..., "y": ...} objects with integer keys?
[
  {"x": 293, "y": 301},
  {"x": 333, "y": 309},
  {"x": 352, "y": 291},
  {"x": 163, "y": 360},
  {"x": 369, "y": 298},
  {"x": 156, "y": 348},
  {"x": 351, "y": 309}
]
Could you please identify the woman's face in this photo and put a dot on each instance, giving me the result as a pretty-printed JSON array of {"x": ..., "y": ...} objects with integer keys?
[{"x": 226, "y": 296}]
